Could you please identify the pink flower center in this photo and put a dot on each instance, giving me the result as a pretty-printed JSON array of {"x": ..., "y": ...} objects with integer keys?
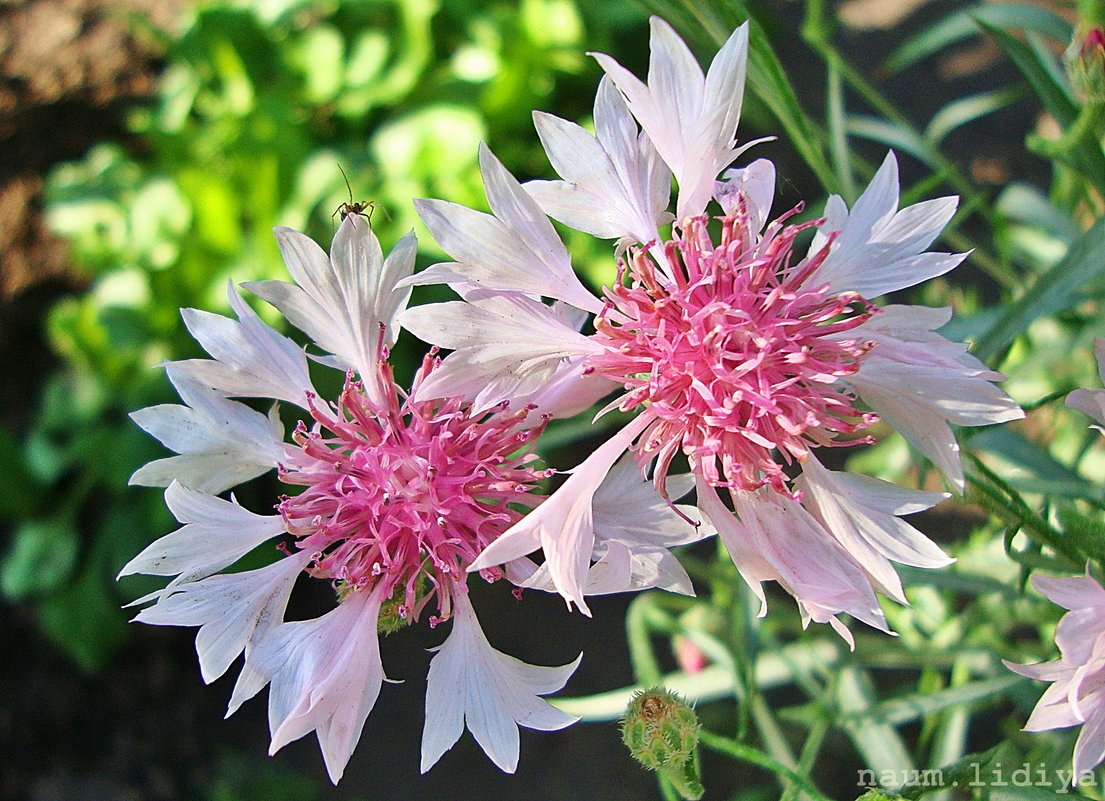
[
  {"x": 406, "y": 494},
  {"x": 738, "y": 360}
]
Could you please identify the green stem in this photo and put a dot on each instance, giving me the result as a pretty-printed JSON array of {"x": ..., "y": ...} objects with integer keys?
[
  {"x": 1007, "y": 504},
  {"x": 753, "y": 756},
  {"x": 810, "y": 749},
  {"x": 646, "y": 670}
]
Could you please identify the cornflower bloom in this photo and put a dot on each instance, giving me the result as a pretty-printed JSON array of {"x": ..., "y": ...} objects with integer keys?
[
  {"x": 391, "y": 497},
  {"x": 735, "y": 349},
  {"x": 1076, "y": 696}
]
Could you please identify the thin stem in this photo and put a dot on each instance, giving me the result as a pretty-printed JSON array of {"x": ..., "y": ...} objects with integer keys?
[
  {"x": 754, "y": 756},
  {"x": 646, "y": 669}
]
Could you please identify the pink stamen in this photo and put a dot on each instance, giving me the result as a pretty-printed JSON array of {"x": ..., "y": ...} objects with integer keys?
[
  {"x": 406, "y": 494},
  {"x": 738, "y": 360}
]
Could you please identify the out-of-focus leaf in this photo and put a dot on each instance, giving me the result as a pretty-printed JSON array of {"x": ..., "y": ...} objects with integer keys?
[
  {"x": 84, "y": 619},
  {"x": 1025, "y": 203},
  {"x": 711, "y": 683},
  {"x": 968, "y": 109},
  {"x": 838, "y": 134},
  {"x": 895, "y": 136},
  {"x": 907, "y": 709},
  {"x": 26, "y": 493},
  {"x": 41, "y": 558},
  {"x": 1039, "y": 68},
  {"x": 879, "y": 744},
  {"x": 961, "y": 25},
  {"x": 769, "y": 81},
  {"x": 1087, "y": 532},
  {"x": 1077, "y": 276},
  {"x": 1044, "y": 474}
]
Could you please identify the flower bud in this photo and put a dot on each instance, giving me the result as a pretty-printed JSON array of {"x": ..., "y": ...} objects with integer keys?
[
  {"x": 660, "y": 729},
  {"x": 1085, "y": 63}
]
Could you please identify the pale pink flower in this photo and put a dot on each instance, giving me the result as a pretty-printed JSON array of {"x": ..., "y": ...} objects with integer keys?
[
  {"x": 1091, "y": 402},
  {"x": 736, "y": 351},
  {"x": 690, "y": 118},
  {"x": 1076, "y": 696},
  {"x": 392, "y": 495}
]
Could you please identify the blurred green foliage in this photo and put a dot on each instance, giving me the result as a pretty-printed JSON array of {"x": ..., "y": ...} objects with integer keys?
[
  {"x": 258, "y": 106},
  {"x": 260, "y": 102}
]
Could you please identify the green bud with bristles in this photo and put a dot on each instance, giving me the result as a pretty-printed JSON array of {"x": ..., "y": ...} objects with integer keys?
[{"x": 660, "y": 730}]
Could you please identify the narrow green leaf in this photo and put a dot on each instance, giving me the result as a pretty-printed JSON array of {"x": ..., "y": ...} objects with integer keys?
[
  {"x": 1053, "y": 94},
  {"x": 1042, "y": 72},
  {"x": 968, "y": 109},
  {"x": 1046, "y": 475},
  {"x": 1078, "y": 275},
  {"x": 838, "y": 135},
  {"x": 892, "y": 135},
  {"x": 907, "y": 709},
  {"x": 879, "y": 744},
  {"x": 709, "y": 684},
  {"x": 961, "y": 25},
  {"x": 770, "y": 84}
]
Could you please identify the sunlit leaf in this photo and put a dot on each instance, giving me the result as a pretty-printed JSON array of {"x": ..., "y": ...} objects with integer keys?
[{"x": 961, "y": 25}]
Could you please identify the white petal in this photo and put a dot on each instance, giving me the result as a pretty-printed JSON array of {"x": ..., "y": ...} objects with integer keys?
[
  {"x": 755, "y": 184},
  {"x": 690, "y": 118},
  {"x": 1091, "y": 402},
  {"x": 860, "y": 512},
  {"x": 325, "y": 676},
  {"x": 562, "y": 526},
  {"x": 614, "y": 187},
  {"x": 216, "y": 533},
  {"x": 628, "y": 508},
  {"x": 471, "y": 682},
  {"x": 618, "y": 569},
  {"x": 578, "y": 208},
  {"x": 776, "y": 539},
  {"x": 250, "y": 359},
  {"x": 232, "y": 610},
  {"x": 517, "y": 249},
  {"x": 1070, "y": 592},
  {"x": 568, "y": 391},
  {"x": 221, "y": 442},
  {"x": 879, "y": 249},
  {"x": 345, "y": 298},
  {"x": 507, "y": 347},
  {"x": 920, "y": 400}
]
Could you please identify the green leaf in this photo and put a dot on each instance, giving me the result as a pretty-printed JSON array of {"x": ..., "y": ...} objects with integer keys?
[
  {"x": 84, "y": 619},
  {"x": 961, "y": 25},
  {"x": 29, "y": 491},
  {"x": 1039, "y": 74},
  {"x": 710, "y": 684},
  {"x": 968, "y": 109},
  {"x": 838, "y": 136},
  {"x": 879, "y": 744},
  {"x": 769, "y": 82},
  {"x": 892, "y": 135},
  {"x": 1076, "y": 276},
  {"x": 1087, "y": 533},
  {"x": 1045, "y": 476},
  {"x": 1040, "y": 69},
  {"x": 41, "y": 558},
  {"x": 907, "y": 709}
]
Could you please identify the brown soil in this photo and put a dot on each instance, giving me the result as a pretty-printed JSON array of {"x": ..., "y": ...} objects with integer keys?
[{"x": 68, "y": 71}]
